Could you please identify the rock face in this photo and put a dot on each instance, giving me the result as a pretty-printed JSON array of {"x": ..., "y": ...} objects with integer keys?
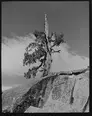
[{"x": 59, "y": 93}]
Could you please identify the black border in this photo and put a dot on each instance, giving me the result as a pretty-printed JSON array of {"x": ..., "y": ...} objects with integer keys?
[{"x": 90, "y": 36}]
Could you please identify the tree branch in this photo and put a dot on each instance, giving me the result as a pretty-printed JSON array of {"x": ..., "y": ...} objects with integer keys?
[
  {"x": 52, "y": 45},
  {"x": 53, "y": 51},
  {"x": 73, "y": 72},
  {"x": 32, "y": 71}
]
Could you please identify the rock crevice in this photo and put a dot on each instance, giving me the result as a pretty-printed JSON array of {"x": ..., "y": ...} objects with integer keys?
[{"x": 57, "y": 92}]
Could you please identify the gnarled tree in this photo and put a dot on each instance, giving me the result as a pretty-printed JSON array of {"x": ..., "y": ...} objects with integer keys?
[{"x": 41, "y": 50}]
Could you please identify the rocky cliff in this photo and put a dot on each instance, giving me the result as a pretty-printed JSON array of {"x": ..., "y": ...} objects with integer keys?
[{"x": 57, "y": 92}]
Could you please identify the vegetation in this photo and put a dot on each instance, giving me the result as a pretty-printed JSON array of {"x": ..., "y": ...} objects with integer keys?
[
  {"x": 41, "y": 50},
  {"x": 18, "y": 100}
]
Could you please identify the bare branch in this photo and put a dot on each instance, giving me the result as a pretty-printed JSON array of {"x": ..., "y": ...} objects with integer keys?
[
  {"x": 72, "y": 72},
  {"x": 53, "y": 51}
]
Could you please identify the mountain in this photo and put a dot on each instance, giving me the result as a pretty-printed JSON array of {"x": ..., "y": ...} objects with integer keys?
[{"x": 57, "y": 92}]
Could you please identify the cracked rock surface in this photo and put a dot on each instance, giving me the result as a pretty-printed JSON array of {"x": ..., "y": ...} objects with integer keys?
[{"x": 59, "y": 93}]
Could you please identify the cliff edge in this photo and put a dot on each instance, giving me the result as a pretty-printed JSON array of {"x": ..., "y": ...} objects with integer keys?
[{"x": 57, "y": 92}]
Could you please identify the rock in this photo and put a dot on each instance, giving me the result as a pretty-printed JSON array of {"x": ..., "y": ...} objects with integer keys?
[
  {"x": 59, "y": 93},
  {"x": 81, "y": 93},
  {"x": 59, "y": 97}
]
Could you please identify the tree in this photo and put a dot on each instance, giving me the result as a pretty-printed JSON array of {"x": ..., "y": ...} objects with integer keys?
[{"x": 41, "y": 50}]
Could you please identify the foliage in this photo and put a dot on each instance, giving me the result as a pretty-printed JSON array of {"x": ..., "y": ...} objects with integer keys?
[{"x": 37, "y": 51}]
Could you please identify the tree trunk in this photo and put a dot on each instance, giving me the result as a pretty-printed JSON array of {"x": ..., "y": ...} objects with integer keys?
[
  {"x": 47, "y": 65},
  {"x": 48, "y": 59}
]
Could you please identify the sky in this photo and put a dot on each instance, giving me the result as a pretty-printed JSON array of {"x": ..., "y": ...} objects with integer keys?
[{"x": 20, "y": 19}]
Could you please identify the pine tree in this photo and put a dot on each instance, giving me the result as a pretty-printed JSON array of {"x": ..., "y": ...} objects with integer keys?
[{"x": 42, "y": 48}]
